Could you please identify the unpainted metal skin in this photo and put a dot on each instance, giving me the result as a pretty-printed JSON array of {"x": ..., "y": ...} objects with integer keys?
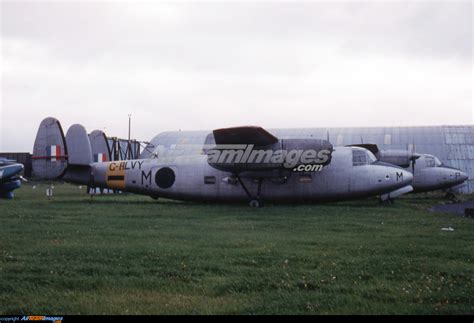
[
  {"x": 339, "y": 180},
  {"x": 429, "y": 173},
  {"x": 348, "y": 173}
]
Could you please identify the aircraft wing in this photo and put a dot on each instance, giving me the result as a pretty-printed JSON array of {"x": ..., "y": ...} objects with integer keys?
[
  {"x": 265, "y": 147},
  {"x": 248, "y": 135},
  {"x": 373, "y": 148}
]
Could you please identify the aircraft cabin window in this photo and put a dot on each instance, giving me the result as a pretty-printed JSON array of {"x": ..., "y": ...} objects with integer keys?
[
  {"x": 209, "y": 179},
  {"x": 305, "y": 178},
  {"x": 430, "y": 161}
]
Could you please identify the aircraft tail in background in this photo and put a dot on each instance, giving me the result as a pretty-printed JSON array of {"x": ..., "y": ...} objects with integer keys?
[
  {"x": 50, "y": 152},
  {"x": 79, "y": 155},
  {"x": 56, "y": 156},
  {"x": 101, "y": 151},
  {"x": 70, "y": 157}
]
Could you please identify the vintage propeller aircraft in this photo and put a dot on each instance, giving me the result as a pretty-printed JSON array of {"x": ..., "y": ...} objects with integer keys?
[
  {"x": 10, "y": 178},
  {"x": 429, "y": 173},
  {"x": 226, "y": 171}
]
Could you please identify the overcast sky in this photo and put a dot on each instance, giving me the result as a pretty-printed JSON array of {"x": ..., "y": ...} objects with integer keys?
[{"x": 195, "y": 66}]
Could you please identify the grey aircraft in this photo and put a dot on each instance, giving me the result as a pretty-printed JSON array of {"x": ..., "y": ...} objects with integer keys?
[
  {"x": 10, "y": 178},
  {"x": 429, "y": 173},
  {"x": 324, "y": 174}
]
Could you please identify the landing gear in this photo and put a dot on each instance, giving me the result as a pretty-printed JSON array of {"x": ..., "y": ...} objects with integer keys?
[
  {"x": 452, "y": 197},
  {"x": 255, "y": 201},
  {"x": 388, "y": 201}
]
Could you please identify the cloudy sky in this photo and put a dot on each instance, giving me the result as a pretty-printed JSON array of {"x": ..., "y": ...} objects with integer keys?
[{"x": 195, "y": 65}]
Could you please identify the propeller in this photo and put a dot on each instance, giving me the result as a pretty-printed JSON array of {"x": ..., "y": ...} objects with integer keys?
[
  {"x": 24, "y": 179},
  {"x": 414, "y": 156},
  {"x": 327, "y": 136}
]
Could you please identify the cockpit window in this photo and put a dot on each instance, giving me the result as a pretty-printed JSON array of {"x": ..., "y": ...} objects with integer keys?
[
  {"x": 362, "y": 156},
  {"x": 371, "y": 157},
  {"x": 430, "y": 161}
]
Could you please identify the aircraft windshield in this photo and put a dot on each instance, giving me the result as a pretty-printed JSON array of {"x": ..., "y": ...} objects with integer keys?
[
  {"x": 362, "y": 156},
  {"x": 430, "y": 161}
]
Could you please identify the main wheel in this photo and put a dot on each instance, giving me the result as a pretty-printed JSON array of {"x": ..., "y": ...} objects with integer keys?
[
  {"x": 388, "y": 201},
  {"x": 255, "y": 203},
  {"x": 452, "y": 197}
]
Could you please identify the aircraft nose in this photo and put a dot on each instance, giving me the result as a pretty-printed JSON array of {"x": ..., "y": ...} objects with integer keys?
[
  {"x": 18, "y": 169},
  {"x": 9, "y": 171},
  {"x": 461, "y": 176},
  {"x": 407, "y": 177},
  {"x": 454, "y": 176},
  {"x": 399, "y": 177}
]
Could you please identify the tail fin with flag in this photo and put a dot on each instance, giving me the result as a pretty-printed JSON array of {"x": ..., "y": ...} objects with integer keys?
[
  {"x": 100, "y": 146},
  {"x": 49, "y": 151},
  {"x": 56, "y": 156}
]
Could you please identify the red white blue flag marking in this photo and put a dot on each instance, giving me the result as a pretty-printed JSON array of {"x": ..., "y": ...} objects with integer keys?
[
  {"x": 54, "y": 152},
  {"x": 100, "y": 157}
]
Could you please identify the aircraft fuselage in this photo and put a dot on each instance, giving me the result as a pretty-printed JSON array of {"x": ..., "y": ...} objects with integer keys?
[{"x": 192, "y": 178}]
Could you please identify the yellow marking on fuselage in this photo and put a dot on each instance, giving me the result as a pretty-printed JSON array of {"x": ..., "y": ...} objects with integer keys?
[{"x": 115, "y": 176}]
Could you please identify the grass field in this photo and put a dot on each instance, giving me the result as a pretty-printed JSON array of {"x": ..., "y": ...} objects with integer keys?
[{"x": 132, "y": 255}]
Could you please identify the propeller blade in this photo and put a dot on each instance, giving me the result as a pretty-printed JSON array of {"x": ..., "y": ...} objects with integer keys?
[
  {"x": 413, "y": 159},
  {"x": 23, "y": 179}
]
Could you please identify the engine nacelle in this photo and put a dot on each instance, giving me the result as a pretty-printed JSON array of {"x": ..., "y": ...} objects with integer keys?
[
  {"x": 283, "y": 154},
  {"x": 402, "y": 158}
]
